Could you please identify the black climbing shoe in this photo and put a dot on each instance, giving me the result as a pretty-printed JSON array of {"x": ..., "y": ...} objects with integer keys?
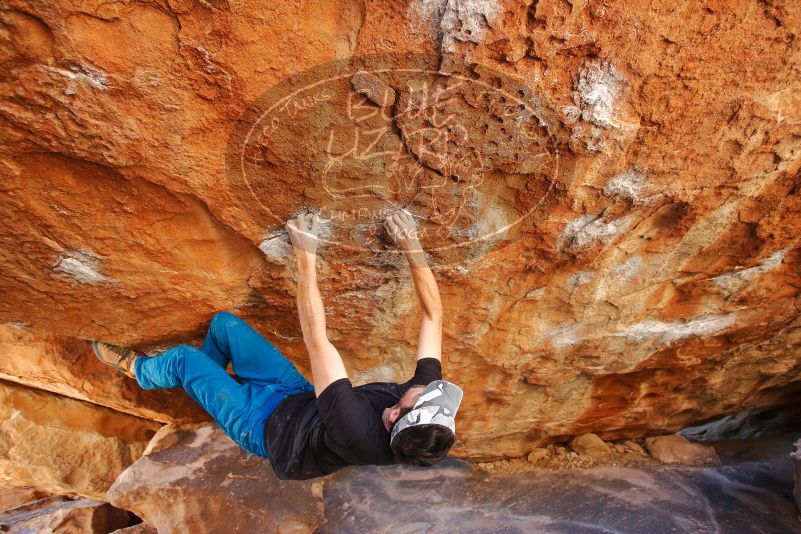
[{"x": 117, "y": 357}]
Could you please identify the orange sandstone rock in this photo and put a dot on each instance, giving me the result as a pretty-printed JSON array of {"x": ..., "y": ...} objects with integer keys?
[
  {"x": 199, "y": 480},
  {"x": 66, "y": 366},
  {"x": 610, "y": 193},
  {"x": 65, "y": 446},
  {"x": 676, "y": 449},
  {"x": 11, "y": 497},
  {"x": 58, "y": 515},
  {"x": 590, "y": 445}
]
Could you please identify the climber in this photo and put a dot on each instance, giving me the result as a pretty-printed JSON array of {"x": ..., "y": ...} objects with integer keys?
[{"x": 269, "y": 409}]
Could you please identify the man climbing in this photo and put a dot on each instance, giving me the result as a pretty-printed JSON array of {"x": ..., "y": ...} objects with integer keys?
[{"x": 271, "y": 410}]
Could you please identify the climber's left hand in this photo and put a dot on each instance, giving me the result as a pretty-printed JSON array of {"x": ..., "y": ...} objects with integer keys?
[{"x": 304, "y": 231}]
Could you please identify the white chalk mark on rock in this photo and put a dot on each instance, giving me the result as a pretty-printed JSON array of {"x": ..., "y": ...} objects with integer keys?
[
  {"x": 661, "y": 331},
  {"x": 598, "y": 86},
  {"x": 459, "y": 20},
  {"x": 427, "y": 13},
  {"x": 733, "y": 282},
  {"x": 466, "y": 20},
  {"x": 578, "y": 279},
  {"x": 81, "y": 74},
  {"x": 628, "y": 269},
  {"x": 81, "y": 266},
  {"x": 572, "y": 114},
  {"x": 535, "y": 293},
  {"x": 587, "y": 230},
  {"x": 565, "y": 335},
  {"x": 277, "y": 248},
  {"x": 630, "y": 184}
]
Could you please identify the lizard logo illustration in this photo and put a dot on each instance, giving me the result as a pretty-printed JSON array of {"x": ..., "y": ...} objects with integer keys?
[{"x": 467, "y": 151}]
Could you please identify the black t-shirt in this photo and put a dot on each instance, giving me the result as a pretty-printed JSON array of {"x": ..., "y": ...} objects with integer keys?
[{"x": 308, "y": 437}]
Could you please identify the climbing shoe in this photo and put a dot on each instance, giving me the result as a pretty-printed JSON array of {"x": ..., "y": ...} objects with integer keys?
[{"x": 117, "y": 357}]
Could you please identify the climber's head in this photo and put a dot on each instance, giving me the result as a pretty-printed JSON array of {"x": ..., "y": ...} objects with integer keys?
[
  {"x": 407, "y": 401},
  {"x": 424, "y": 433}
]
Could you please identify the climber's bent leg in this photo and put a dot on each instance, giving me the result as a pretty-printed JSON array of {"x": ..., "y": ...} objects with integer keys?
[
  {"x": 255, "y": 360},
  {"x": 241, "y": 410},
  {"x": 220, "y": 355}
]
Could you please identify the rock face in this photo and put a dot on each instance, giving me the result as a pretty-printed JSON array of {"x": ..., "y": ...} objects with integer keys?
[
  {"x": 141, "y": 528},
  {"x": 457, "y": 498},
  {"x": 610, "y": 193},
  {"x": 65, "y": 446},
  {"x": 676, "y": 449},
  {"x": 58, "y": 515},
  {"x": 747, "y": 424},
  {"x": 796, "y": 458},
  {"x": 200, "y": 481},
  {"x": 11, "y": 497},
  {"x": 590, "y": 445},
  {"x": 66, "y": 366}
]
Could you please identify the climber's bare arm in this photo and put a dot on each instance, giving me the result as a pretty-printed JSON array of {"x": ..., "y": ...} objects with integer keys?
[
  {"x": 326, "y": 363},
  {"x": 403, "y": 230}
]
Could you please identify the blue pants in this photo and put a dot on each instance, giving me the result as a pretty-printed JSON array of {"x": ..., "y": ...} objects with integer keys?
[{"x": 241, "y": 408}]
